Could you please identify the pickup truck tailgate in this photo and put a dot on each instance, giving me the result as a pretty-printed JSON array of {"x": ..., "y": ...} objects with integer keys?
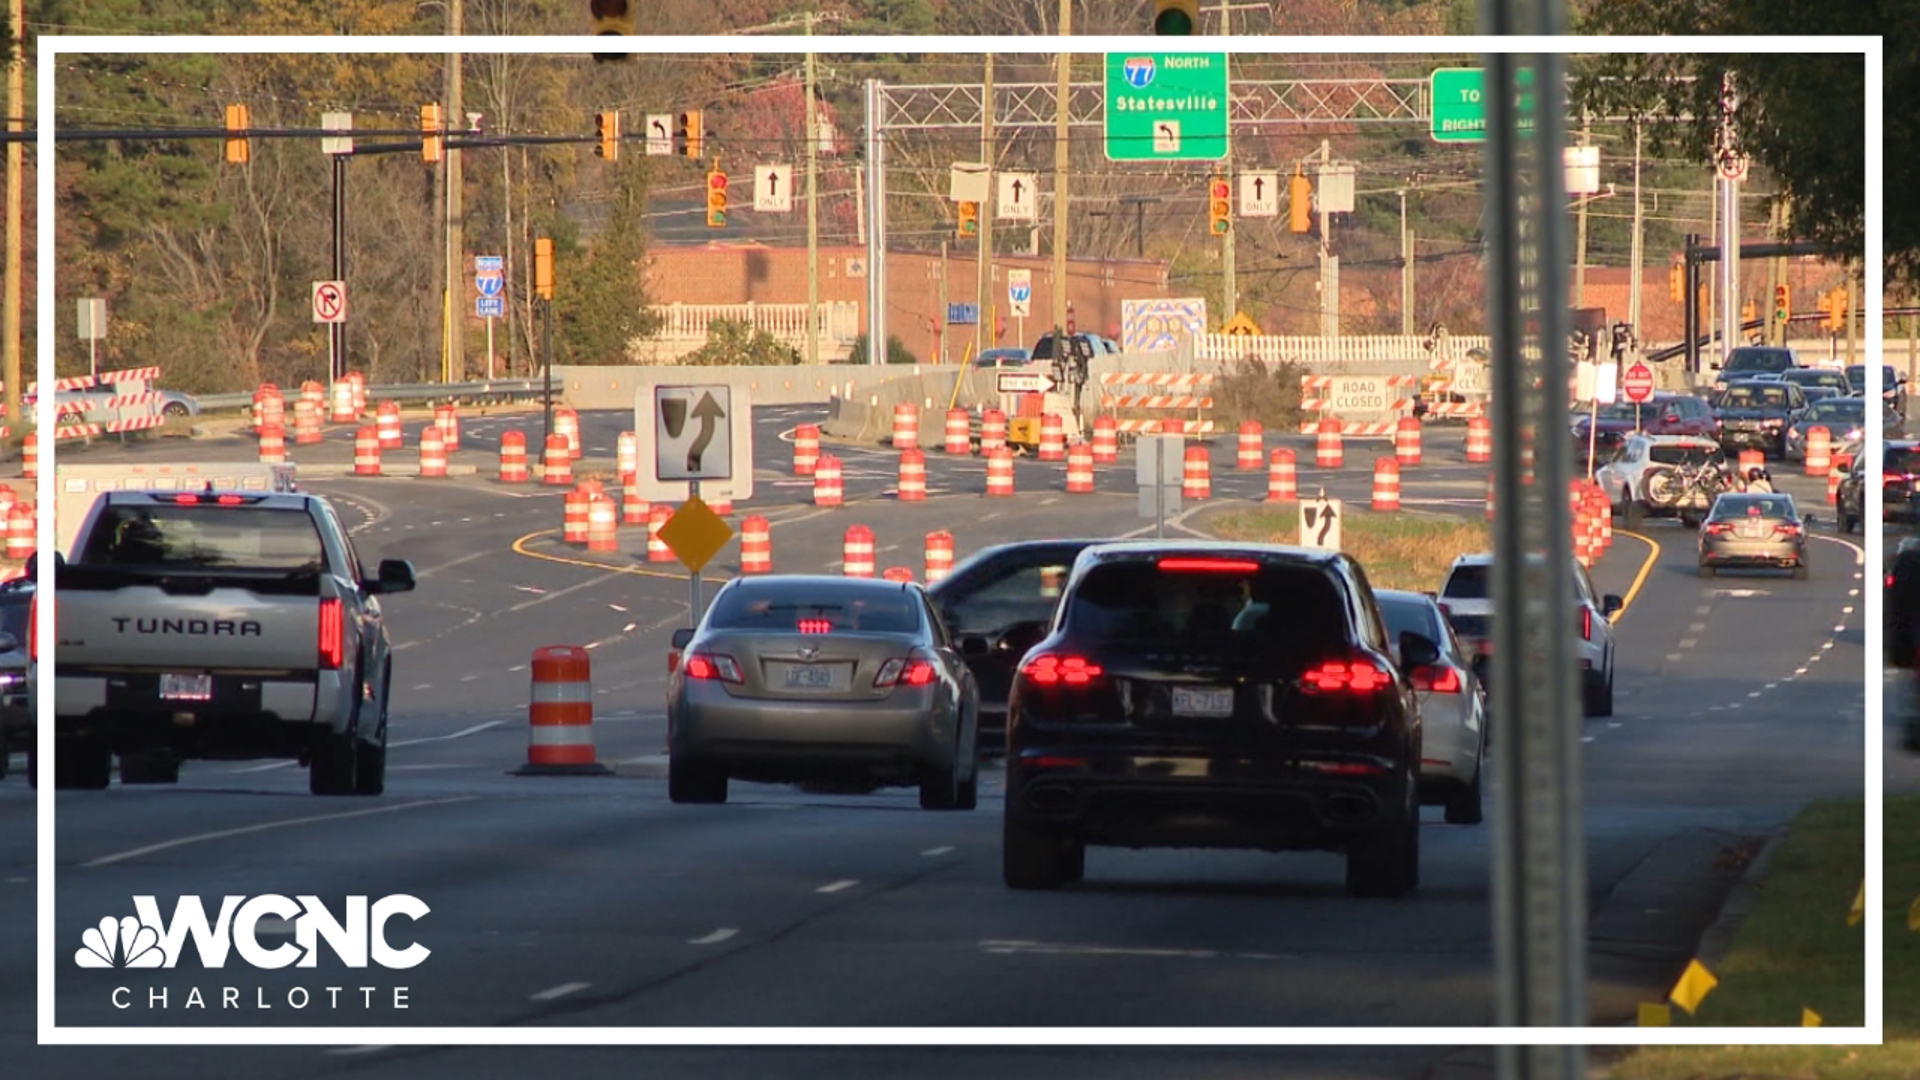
[{"x": 228, "y": 628}]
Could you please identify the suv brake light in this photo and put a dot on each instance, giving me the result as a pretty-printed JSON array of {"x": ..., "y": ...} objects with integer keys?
[
  {"x": 1209, "y": 566},
  {"x": 1357, "y": 675},
  {"x": 911, "y": 671},
  {"x": 1437, "y": 679},
  {"x": 333, "y": 633},
  {"x": 713, "y": 666},
  {"x": 1049, "y": 669},
  {"x": 1586, "y": 624}
]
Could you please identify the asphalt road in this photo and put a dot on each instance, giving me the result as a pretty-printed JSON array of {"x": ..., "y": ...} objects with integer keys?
[{"x": 595, "y": 902}]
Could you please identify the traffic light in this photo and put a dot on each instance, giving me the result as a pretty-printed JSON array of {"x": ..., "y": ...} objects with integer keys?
[
  {"x": 1836, "y": 305},
  {"x": 1782, "y": 303},
  {"x": 1175, "y": 18},
  {"x": 611, "y": 18},
  {"x": 1299, "y": 203},
  {"x": 1219, "y": 206},
  {"x": 716, "y": 200},
  {"x": 239, "y": 151},
  {"x": 969, "y": 219},
  {"x": 607, "y": 126},
  {"x": 431, "y": 143},
  {"x": 692, "y": 135},
  {"x": 543, "y": 267},
  {"x": 1676, "y": 283}
]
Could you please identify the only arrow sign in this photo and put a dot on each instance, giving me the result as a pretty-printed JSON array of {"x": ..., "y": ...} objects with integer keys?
[
  {"x": 708, "y": 412},
  {"x": 1259, "y": 188},
  {"x": 773, "y": 188},
  {"x": 660, "y": 129},
  {"x": 1018, "y": 187}
]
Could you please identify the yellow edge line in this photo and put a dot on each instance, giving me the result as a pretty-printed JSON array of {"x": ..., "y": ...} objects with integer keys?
[
  {"x": 1653, "y": 556},
  {"x": 520, "y": 548}
]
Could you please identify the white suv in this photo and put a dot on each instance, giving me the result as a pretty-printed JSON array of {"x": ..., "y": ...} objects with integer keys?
[{"x": 1467, "y": 600}]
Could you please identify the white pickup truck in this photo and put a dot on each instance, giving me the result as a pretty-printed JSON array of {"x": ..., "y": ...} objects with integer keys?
[{"x": 221, "y": 625}]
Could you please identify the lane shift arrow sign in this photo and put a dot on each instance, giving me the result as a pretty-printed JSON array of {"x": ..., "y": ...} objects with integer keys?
[{"x": 708, "y": 412}]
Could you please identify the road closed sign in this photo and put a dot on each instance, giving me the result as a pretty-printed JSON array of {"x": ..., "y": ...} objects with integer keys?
[{"x": 1351, "y": 395}]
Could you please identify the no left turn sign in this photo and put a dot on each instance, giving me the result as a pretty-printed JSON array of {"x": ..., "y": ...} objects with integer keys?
[{"x": 329, "y": 301}]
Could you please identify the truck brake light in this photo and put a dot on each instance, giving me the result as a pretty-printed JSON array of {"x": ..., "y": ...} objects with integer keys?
[{"x": 333, "y": 633}]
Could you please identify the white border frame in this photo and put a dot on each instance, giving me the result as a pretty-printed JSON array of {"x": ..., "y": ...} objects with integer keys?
[{"x": 52, "y": 47}]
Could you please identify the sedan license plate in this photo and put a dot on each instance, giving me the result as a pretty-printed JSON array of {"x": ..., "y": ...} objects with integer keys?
[
  {"x": 1751, "y": 531},
  {"x": 186, "y": 687},
  {"x": 810, "y": 676},
  {"x": 1207, "y": 701}
]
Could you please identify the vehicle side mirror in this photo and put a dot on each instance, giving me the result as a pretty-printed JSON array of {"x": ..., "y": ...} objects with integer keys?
[
  {"x": 683, "y": 637},
  {"x": 1611, "y": 605},
  {"x": 396, "y": 576},
  {"x": 9, "y": 643},
  {"x": 1418, "y": 650},
  {"x": 973, "y": 647}
]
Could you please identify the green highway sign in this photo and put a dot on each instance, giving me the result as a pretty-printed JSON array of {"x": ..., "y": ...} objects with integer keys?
[
  {"x": 1166, "y": 106},
  {"x": 1458, "y": 114}
]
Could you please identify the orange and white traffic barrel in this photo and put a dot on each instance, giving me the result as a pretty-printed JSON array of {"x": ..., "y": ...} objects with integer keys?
[
  {"x": 343, "y": 411},
  {"x": 1282, "y": 480},
  {"x": 1386, "y": 484},
  {"x": 939, "y": 555},
  {"x": 20, "y": 530},
  {"x": 315, "y": 394},
  {"x": 273, "y": 408},
  {"x": 1751, "y": 459},
  {"x": 1582, "y": 544},
  {"x": 1603, "y": 515},
  {"x": 387, "y": 422},
  {"x": 30, "y": 455},
  {"x": 1833, "y": 487},
  {"x": 603, "y": 524},
  {"x": 306, "y": 423},
  {"x": 897, "y": 573},
  {"x": 1079, "y": 469},
  {"x": 574, "y": 524},
  {"x": 556, "y": 465},
  {"x": 913, "y": 475},
  {"x": 366, "y": 451},
  {"x": 1000, "y": 472},
  {"x": 513, "y": 458},
  {"x": 806, "y": 449},
  {"x": 560, "y": 714},
  {"x": 1328, "y": 451},
  {"x": 273, "y": 445},
  {"x": 357, "y": 381},
  {"x": 1406, "y": 440},
  {"x": 857, "y": 551},
  {"x": 447, "y": 419},
  {"x": 1526, "y": 464},
  {"x": 959, "y": 431},
  {"x": 7, "y": 498},
  {"x": 993, "y": 430},
  {"x": 756, "y": 545},
  {"x": 827, "y": 488},
  {"x": 1479, "y": 440},
  {"x": 1196, "y": 482},
  {"x": 1106, "y": 440},
  {"x": 1819, "y": 450},
  {"x": 657, "y": 549},
  {"x": 627, "y": 452},
  {"x": 633, "y": 506},
  {"x": 1252, "y": 441},
  {"x": 1490, "y": 490},
  {"x": 906, "y": 426},
  {"x": 567, "y": 422},
  {"x": 433, "y": 453},
  {"x": 1053, "y": 438},
  {"x": 720, "y": 502}
]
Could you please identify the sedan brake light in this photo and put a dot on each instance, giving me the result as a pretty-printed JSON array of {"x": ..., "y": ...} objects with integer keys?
[
  {"x": 1586, "y": 624},
  {"x": 1048, "y": 669},
  {"x": 911, "y": 671},
  {"x": 816, "y": 626},
  {"x": 713, "y": 666},
  {"x": 1787, "y": 529},
  {"x": 1358, "y": 675},
  {"x": 1209, "y": 566},
  {"x": 333, "y": 633},
  {"x": 1437, "y": 679},
  {"x": 1717, "y": 528}
]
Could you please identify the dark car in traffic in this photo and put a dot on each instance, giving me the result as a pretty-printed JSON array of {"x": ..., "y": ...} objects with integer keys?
[
  {"x": 1221, "y": 695},
  {"x": 1819, "y": 383},
  {"x": 16, "y": 708},
  {"x": 1893, "y": 386},
  {"x": 1900, "y": 480},
  {"x": 1747, "y": 361},
  {"x": 1757, "y": 414},
  {"x": 1006, "y": 594},
  {"x": 1664, "y": 414},
  {"x": 1903, "y": 602}
]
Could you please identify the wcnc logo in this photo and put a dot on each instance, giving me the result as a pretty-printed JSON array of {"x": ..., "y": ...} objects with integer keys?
[{"x": 358, "y": 938}]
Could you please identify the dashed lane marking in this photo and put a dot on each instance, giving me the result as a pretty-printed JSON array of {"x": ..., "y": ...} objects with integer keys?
[
  {"x": 553, "y": 993},
  {"x": 716, "y": 937},
  {"x": 222, "y": 834},
  {"x": 461, "y": 734},
  {"x": 942, "y": 850},
  {"x": 838, "y": 886}
]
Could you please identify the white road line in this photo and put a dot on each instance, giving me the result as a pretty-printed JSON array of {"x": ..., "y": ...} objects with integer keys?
[
  {"x": 351, "y": 1051},
  {"x": 1675, "y": 656},
  {"x": 1703, "y": 609},
  {"x": 107, "y": 860},
  {"x": 1688, "y": 643},
  {"x": 837, "y": 886},
  {"x": 1840, "y": 629},
  {"x": 618, "y": 608},
  {"x": 553, "y": 992},
  {"x": 1698, "y": 627},
  {"x": 942, "y": 850},
  {"x": 432, "y": 570},
  {"x": 268, "y": 767},
  {"x": 716, "y": 937},
  {"x": 461, "y": 734},
  {"x": 424, "y": 686},
  {"x": 1848, "y": 610}
]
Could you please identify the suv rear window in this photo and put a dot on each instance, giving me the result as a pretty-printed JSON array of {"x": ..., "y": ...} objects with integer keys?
[
  {"x": 781, "y": 607},
  {"x": 1264, "y": 604},
  {"x": 1758, "y": 360},
  {"x": 203, "y": 536},
  {"x": 1902, "y": 461},
  {"x": 1468, "y": 582}
]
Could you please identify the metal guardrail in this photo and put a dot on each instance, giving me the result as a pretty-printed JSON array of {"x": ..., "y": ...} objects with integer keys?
[{"x": 495, "y": 390}]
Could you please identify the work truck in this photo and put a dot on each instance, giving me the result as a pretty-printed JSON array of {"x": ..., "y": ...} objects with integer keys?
[{"x": 221, "y": 625}]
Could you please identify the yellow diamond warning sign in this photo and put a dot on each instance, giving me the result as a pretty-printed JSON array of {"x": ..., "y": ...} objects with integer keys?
[{"x": 695, "y": 534}]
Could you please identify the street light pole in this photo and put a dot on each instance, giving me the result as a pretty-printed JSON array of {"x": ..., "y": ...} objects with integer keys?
[
  {"x": 454, "y": 363},
  {"x": 1063, "y": 89},
  {"x": 813, "y": 215}
]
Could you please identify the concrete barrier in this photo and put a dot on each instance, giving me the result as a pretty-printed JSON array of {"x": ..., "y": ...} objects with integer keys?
[{"x": 804, "y": 384}]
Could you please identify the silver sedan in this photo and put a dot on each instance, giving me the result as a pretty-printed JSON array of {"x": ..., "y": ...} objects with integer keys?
[
  {"x": 1453, "y": 711},
  {"x": 1749, "y": 530},
  {"x": 833, "y": 680}
]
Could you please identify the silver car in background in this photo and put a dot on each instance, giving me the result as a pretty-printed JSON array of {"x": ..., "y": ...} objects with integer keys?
[
  {"x": 1754, "y": 531},
  {"x": 1453, "y": 710},
  {"x": 822, "y": 679}
]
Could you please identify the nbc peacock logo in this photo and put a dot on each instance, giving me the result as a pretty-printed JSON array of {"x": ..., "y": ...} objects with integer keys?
[{"x": 120, "y": 943}]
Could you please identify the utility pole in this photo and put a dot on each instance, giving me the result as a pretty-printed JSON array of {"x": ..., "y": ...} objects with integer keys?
[
  {"x": 1639, "y": 225},
  {"x": 983, "y": 260},
  {"x": 876, "y": 208},
  {"x": 16, "y": 124},
  {"x": 940, "y": 312},
  {"x": 1580, "y": 241},
  {"x": 454, "y": 364},
  {"x": 1329, "y": 263},
  {"x": 1406, "y": 269},
  {"x": 1064, "y": 88},
  {"x": 813, "y": 214},
  {"x": 1729, "y": 225},
  {"x": 1229, "y": 288}
]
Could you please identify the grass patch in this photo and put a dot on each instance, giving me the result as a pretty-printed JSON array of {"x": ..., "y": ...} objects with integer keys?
[
  {"x": 1795, "y": 950},
  {"x": 1398, "y": 551}
]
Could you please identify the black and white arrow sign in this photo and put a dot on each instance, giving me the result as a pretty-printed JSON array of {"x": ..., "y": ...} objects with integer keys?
[{"x": 773, "y": 189}]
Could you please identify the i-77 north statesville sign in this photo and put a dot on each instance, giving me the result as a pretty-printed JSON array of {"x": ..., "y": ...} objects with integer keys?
[{"x": 1166, "y": 107}]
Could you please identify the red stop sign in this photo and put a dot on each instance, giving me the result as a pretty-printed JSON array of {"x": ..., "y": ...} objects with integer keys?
[{"x": 1637, "y": 383}]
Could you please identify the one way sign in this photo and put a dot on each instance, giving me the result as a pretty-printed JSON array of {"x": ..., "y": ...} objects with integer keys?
[
  {"x": 1259, "y": 194},
  {"x": 1017, "y": 197},
  {"x": 773, "y": 188}
]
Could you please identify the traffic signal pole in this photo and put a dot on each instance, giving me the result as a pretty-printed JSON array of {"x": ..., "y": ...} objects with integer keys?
[
  {"x": 813, "y": 216},
  {"x": 453, "y": 367},
  {"x": 1062, "y": 93},
  {"x": 983, "y": 259},
  {"x": 1229, "y": 288}
]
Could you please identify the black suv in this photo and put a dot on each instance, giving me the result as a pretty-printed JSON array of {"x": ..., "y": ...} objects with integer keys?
[
  {"x": 1215, "y": 694},
  {"x": 1746, "y": 361},
  {"x": 16, "y": 708}
]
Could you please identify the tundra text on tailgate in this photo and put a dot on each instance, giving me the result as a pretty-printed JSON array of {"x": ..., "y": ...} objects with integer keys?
[{"x": 221, "y": 626}]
